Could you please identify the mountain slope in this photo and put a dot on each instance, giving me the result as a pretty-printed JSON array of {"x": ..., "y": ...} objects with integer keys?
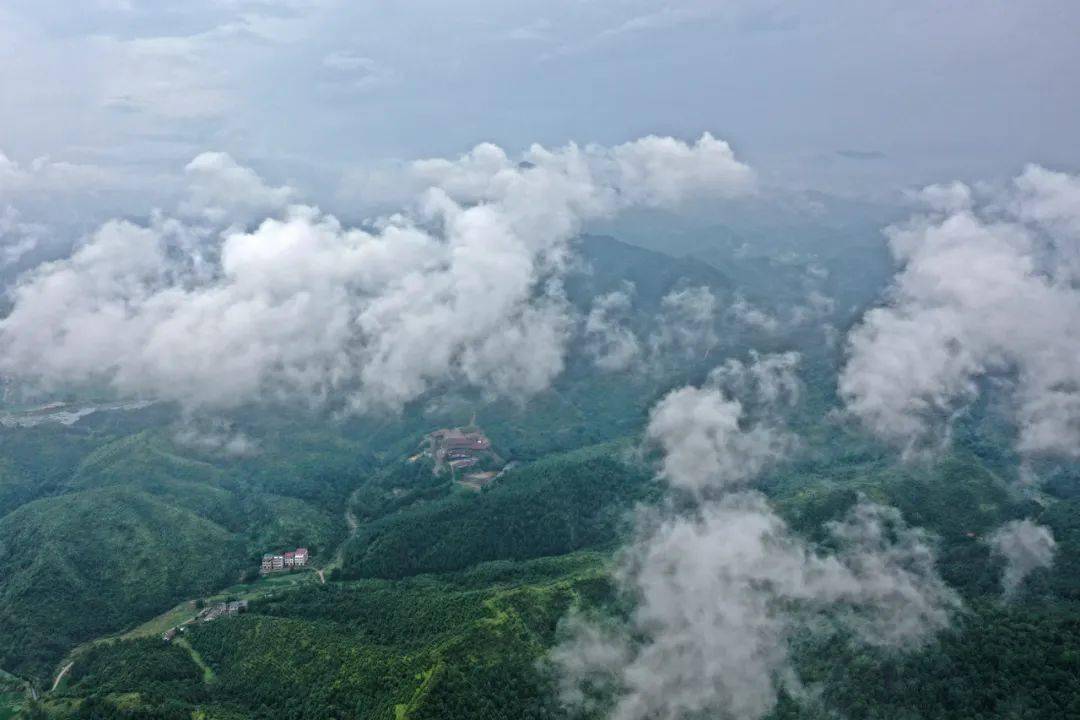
[{"x": 84, "y": 564}]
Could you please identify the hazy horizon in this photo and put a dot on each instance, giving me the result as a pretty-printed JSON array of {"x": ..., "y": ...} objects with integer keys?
[{"x": 106, "y": 107}]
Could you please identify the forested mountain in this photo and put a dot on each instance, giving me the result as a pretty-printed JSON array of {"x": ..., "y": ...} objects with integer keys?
[
  {"x": 122, "y": 513},
  {"x": 441, "y": 600}
]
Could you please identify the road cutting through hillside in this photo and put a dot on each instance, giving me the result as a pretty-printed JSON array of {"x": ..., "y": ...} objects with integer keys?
[
  {"x": 60, "y": 676},
  {"x": 339, "y": 554}
]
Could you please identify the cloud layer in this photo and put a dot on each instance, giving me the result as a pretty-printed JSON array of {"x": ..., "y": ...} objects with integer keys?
[
  {"x": 215, "y": 310},
  {"x": 987, "y": 287}
]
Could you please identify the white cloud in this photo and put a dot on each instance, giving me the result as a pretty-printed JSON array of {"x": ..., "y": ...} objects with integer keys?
[
  {"x": 725, "y": 433},
  {"x": 464, "y": 286},
  {"x": 686, "y": 327},
  {"x": 652, "y": 171},
  {"x": 818, "y": 306},
  {"x": 662, "y": 171},
  {"x": 16, "y": 238},
  {"x": 954, "y": 197},
  {"x": 10, "y": 173},
  {"x": 43, "y": 175},
  {"x": 748, "y": 314},
  {"x": 719, "y": 591},
  {"x": 986, "y": 289},
  {"x": 767, "y": 383},
  {"x": 215, "y": 436},
  {"x": 222, "y": 191},
  {"x": 705, "y": 440},
  {"x": 1025, "y": 547},
  {"x": 612, "y": 345}
]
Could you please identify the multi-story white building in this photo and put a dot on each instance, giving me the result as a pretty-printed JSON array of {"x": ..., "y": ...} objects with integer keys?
[{"x": 286, "y": 561}]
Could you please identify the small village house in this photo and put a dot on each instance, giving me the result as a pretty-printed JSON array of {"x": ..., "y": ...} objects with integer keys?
[{"x": 286, "y": 561}]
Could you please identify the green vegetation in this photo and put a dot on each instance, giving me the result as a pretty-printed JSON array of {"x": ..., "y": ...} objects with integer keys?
[
  {"x": 111, "y": 521},
  {"x": 81, "y": 565},
  {"x": 997, "y": 662},
  {"x": 158, "y": 669},
  {"x": 126, "y": 526},
  {"x": 551, "y": 507},
  {"x": 442, "y": 602},
  {"x": 446, "y": 600},
  {"x": 466, "y": 644},
  {"x": 12, "y": 695},
  {"x": 208, "y": 675}
]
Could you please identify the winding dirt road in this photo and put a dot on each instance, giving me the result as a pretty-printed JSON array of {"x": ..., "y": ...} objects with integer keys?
[
  {"x": 60, "y": 676},
  {"x": 339, "y": 554}
]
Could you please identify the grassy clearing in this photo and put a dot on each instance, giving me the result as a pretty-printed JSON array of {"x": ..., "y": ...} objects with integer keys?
[
  {"x": 208, "y": 673},
  {"x": 402, "y": 710},
  {"x": 186, "y": 611},
  {"x": 168, "y": 619}
]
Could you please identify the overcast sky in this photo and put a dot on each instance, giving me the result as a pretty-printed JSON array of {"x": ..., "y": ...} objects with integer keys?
[{"x": 117, "y": 95}]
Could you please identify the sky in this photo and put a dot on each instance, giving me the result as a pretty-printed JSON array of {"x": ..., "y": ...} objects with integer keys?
[{"x": 105, "y": 104}]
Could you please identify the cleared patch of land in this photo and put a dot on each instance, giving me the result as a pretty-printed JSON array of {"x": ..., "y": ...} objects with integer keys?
[
  {"x": 207, "y": 671},
  {"x": 478, "y": 480},
  {"x": 185, "y": 613}
]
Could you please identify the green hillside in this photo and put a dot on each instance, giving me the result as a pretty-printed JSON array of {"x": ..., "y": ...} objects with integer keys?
[
  {"x": 81, "y": 565},
  {"x": 550, "y": 507},
  {"x": 442, "y": 601},
  {"x": 459, "y": 645},
  {"x": 469, "y": 644},
  {"x": 138, "y": 524}
]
